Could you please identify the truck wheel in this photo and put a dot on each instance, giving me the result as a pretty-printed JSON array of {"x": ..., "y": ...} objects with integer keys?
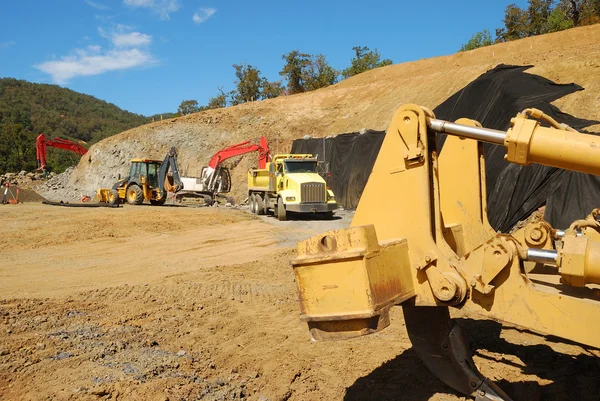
[
  {"x": 135, "y": 195},
  {"x": 252, "y": 203},
  {"x": 281, "y": 213},
  {"x": 113, "y": 197},
  {"x": 260, "y": 204}
]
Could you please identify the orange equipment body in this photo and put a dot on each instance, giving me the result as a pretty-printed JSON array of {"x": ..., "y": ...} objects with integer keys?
[{"x": 42, "y": 143}]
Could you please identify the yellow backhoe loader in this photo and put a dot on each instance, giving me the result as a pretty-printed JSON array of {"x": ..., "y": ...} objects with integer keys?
[
  {"x": 147, "y": 180},
  {"x": 420, "y": 239}
]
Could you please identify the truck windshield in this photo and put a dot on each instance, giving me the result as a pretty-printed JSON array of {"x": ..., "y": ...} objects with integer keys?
[{"x": 301, "y": 166}]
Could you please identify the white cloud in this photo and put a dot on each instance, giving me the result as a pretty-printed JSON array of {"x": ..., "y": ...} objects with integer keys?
[
  {"x": 94, "y": 62},
  {"x": 121, "y": 38},
  {"x": 132, "y": 39},
  {"x": 203, "y": 14},
  {"x": 162, "y": 7},
  {"x": 6, "y": 45},
  {"x": 96, "y": 5}
]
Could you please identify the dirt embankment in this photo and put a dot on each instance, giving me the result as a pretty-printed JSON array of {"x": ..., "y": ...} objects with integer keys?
[{"x": 365, "y": 101}]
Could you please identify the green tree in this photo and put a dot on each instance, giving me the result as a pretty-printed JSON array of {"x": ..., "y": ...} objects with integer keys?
[
  {"x": 364, "y": 60},
  {"x": 57, "y": 112},
  {"x": 538, "y": 12},
  {"x": 558, "y": 20},
  {"x": 319, "y": 73},
  {"x": 305, "y": 72},
  {"x": 589, "y": 12},
  {"x": 248, "y": 84},
  {"x": 480, "y": 39},
  {"x": 188, "y": 107},
  {"x": 515, "y": 23},
  {"x": 272, "y": 89},
  {"x": 219, "y": 101},
  {"x": 294, "y": 71}
]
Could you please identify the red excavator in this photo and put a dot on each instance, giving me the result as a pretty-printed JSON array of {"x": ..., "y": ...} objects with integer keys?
[
  {"x": 215, "y": 178},
  {"x": 42, "y": 143}
]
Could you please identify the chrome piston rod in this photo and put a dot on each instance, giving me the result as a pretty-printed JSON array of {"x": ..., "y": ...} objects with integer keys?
[
  {"x": 546, "y": 256},
  {"x": 467, "y": 131}
]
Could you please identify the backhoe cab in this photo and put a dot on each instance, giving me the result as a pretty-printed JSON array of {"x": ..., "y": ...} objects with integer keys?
[{"x": 147, "y": 180}]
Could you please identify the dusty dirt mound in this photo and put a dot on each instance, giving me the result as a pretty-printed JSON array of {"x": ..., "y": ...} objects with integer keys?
[
  {"x": 29, "y": 195},
  {"x": 367, "y": 100},
  {"x": 25, "y": 195}
]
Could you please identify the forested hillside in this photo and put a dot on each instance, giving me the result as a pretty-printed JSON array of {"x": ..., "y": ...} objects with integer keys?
[{"x": 28, "y": 109}]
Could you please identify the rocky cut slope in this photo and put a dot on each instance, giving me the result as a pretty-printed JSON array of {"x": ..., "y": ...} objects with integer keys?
[{"x": 364, "y": 101}]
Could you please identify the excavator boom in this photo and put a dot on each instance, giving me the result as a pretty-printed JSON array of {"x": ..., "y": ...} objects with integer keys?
[
  {"x": 59, "y": 143},
  {"x": 420, "y": 238},
  {"x": 215, "y": 177},
  {"x": 242, "y": 148}
]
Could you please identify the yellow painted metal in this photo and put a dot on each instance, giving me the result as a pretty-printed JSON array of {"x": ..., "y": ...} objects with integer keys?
[
  {"x": 361, "y": 280},
  {"x": 461, "y": 173},
  {"x": 541, "y": 308},
  {"x": 436, "y": 208},
  {"x": 527, "y": 142},
  {"x": 398, "y": 200},
  {"x": 103, "y": 194},
  {"x": 580, "y": 261}
]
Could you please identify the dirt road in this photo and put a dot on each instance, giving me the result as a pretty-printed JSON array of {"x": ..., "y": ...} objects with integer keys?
[{"x": 187, "y": 304}]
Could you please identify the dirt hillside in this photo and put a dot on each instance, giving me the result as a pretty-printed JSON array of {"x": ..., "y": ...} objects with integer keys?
[{"x": 364, "y": 101}]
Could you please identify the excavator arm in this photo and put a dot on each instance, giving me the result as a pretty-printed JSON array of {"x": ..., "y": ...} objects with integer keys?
[
  {"x": 42, "y": 143},
  {"x": 420, "y": 238},
  {"x": 211, "y": 175}
]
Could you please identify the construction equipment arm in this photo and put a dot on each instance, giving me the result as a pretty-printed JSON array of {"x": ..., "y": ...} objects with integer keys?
[
  {"x": 431, "y": 247},
  {"x": 528, "y": 142},
  {"x": 242, "y": 148},
  {"x": 170, "y": 161},
  {"x": 42, "y": 143},
  {"x": 212, "y": 173}
]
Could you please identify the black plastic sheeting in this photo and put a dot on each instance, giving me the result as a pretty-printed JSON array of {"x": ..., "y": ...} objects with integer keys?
[
  {"x": 513, "y": 192},
  {"x": 350, "y": 157}
]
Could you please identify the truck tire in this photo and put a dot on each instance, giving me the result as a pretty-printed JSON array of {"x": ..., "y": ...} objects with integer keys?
[
  {"x": 135, "y": 195},
  {"x": 251, "y": 203},
  {"x": 113, "y": 197},
  {"x": 281, "y": 213},
  {"x": 260, "y": 204}
]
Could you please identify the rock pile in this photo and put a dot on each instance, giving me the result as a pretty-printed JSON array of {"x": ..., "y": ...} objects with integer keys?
[
  {"x": 57, "y": 187},
  {"x": 22, "y": 179}
]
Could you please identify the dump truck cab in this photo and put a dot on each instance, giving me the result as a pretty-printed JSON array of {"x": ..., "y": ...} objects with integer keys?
[{"x": 290, "y": 183}]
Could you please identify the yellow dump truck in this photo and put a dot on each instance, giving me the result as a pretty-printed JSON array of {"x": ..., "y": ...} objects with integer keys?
[{"x": 290, "y": 183}]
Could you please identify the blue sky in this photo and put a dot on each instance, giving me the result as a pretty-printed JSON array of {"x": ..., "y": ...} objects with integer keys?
[{"x": 146, "y": 56}]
